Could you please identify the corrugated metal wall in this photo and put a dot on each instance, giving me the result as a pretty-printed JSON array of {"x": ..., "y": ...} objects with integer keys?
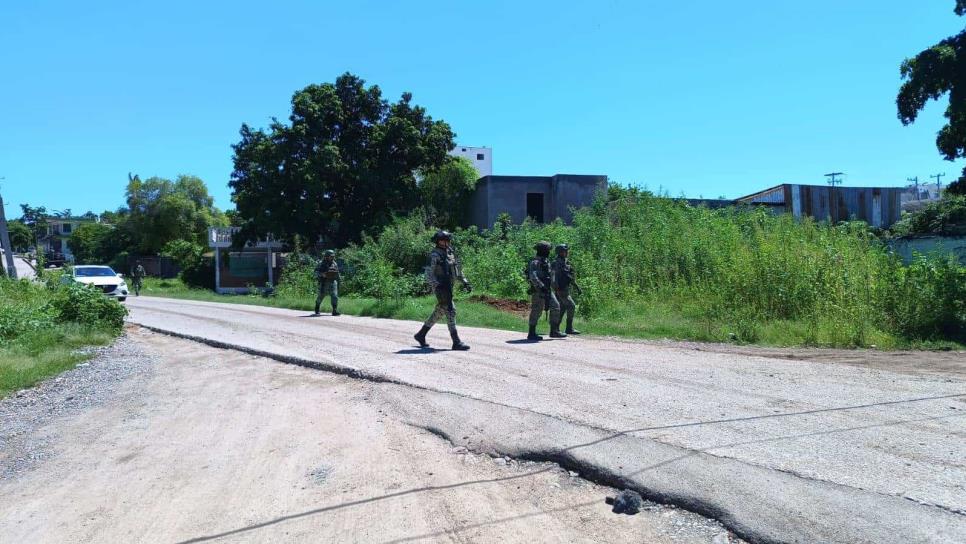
[{"x": 877, "y": 206}]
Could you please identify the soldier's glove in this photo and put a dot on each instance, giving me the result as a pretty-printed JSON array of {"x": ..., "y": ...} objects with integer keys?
[{"x": 467, "y": 287}]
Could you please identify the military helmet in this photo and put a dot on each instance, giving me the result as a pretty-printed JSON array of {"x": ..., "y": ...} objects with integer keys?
[
  {"x": 442, "y": 235},
  {"x": 542, "y": 245},
  {"x": 329, "y": 253},
  {"x": 561, "y": 248}
]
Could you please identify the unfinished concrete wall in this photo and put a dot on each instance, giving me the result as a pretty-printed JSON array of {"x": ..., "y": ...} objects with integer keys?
[
  {"x": 570, "y": 191},
  {"x": 508, "y": 194}
]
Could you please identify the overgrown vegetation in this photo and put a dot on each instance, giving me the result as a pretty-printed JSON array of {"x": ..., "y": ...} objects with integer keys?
[
  {"x": 946, "y": 217},
  {"x": 727, "y": 275},
  {"x": 42, "y": 325}
]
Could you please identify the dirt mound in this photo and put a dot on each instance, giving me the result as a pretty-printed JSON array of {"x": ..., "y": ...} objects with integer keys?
[{"x": 506, "y": 305}]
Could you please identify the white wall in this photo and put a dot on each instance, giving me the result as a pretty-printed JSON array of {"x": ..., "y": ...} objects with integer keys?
[{"x": 483, "y": 165}]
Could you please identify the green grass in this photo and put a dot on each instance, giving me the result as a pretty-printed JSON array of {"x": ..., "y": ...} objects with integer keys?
[
  {"x": 636, "y": 319},
  {"x": 44, "y": 353}
]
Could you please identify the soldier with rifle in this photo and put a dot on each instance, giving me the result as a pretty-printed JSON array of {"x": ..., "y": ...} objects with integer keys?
[
  {"x": 327, "y": 275},
  {"x": 442, "y": 272},
  {"x": 542, "y": 296},
  {"x": 563, "y": 273}
]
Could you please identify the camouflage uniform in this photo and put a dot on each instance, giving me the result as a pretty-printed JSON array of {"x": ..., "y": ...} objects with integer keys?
[
  {"x": 327, "y": 274},
  {"x": 442, "y": 272},
  {"x": 563, "y": 274},
  {"x": 137, "y": 277},
  {"x": 542, "y": 296}
]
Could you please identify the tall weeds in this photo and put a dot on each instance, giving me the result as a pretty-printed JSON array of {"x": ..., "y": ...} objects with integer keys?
[{"x": 737, "y": 271}]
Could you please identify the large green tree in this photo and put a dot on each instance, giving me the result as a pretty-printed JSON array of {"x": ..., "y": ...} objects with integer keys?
[
  {"x": 447, "y": 191},
  {"x": 90, "y": 243},
  {"x": 930, "y": 75},
  {"x": 20, "y": 236},
  {"x": 36, "y": 220},
  {"x": 160, "y": 211},
  {"x": 347, "y": 161}
]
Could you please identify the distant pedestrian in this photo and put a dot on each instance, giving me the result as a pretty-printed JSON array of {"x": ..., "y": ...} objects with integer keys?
[
  {"x": 327, "y": 275},
  {"x": 563, "y": 274},
  {"x": 443, "y": 270},
  {"x": 542, "y": 296},
  {"x": 137, "y": 278}
]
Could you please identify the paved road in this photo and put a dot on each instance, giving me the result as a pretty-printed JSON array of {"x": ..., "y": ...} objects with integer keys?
[
  {"x": 24, "y": 270},
  {"x": 777, "y": 450}
]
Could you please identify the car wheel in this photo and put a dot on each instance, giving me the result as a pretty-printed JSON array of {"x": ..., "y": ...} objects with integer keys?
[{"x": 121, "y": 299}]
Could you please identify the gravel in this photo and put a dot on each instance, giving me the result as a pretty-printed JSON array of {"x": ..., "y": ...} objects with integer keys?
[{"x": 25, "y": 414}]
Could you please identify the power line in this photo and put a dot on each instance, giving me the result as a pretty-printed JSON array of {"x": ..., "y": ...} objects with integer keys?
[
  {"x": 939, "y": 183},
  {"x": 916, "y": 181},
  {"x": 831, "y": 178}
]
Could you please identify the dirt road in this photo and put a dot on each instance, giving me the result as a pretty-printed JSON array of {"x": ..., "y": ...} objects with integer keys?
[
  {"x": 161, "y": 440},
  {"x": 777, "y": 449}
]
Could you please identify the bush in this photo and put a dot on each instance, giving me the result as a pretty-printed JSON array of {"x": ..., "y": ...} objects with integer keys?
[
  {"x": 744, "y": 267},
  {"x": 87, "y": 305},
  {"x": 929, "y": 299},
  {"x": 945, "y": 217},
  {"x": 196, "y": 269},
  {"x": 27, "y": 308}
]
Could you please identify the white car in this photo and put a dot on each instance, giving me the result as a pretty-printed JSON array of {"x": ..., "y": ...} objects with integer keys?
[{"x": 104, "y": 278}]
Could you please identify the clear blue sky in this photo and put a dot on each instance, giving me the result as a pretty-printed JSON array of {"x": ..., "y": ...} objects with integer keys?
[{"x": 702, "y": 98}]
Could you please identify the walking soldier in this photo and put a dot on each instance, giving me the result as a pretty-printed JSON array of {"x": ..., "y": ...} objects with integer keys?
[
  {"x": 327, "y": 274},
  {"x": 443, "y": 270},
  {"x": 542, "y": 296},
  {"x": 563, "y": 273},
  {"x": 137, "y": 275}
]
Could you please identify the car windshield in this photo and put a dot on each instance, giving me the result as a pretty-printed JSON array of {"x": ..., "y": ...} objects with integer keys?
[{"x": 94, "y": 271}]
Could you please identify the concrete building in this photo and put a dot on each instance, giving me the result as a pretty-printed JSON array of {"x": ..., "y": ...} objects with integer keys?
[
  {"x": 543, "y": 198},
  {"x": 59, "y": 230},
  {"x": 877, "y": 206},
  {"x": 481, "y": 157}
]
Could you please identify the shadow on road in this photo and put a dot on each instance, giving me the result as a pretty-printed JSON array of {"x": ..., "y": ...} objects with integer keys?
[
  {"x": 359, "y": 502},
  {"x": 417, "y": 351},
  {"x": 562, "y": 455}
]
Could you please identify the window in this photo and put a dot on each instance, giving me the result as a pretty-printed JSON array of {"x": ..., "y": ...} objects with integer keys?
[
  {"x": 65, "y": 228},
  {"x": 535, "y": 206},
  {"x": 479, "y": 156}
]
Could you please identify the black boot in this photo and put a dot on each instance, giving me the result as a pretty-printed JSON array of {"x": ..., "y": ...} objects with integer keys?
[
  {"x": 458, "y": 344},
  {"x": 421, "y": 337},
  {"x": 555, "y": 331},
  {"x": 317, "y": 308},
  {"x": 335, "y": 310},
  {"x": 533, "y": 336},
  {"x": 570, "y": 327}
]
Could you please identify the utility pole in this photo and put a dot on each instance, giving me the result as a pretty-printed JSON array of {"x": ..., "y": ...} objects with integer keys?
[
  {"x": 5, "y": 242},
  {"x": 939, "y": 184},
  {"x": 916, "y": 181},
  {"x": 832, "y": 182}
]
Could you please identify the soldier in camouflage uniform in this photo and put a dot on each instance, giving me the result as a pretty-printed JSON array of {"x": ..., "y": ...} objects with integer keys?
[
  {"x": 137, "y": 277},
  {"x": 563, "y": 273},
  {"x": 542, "y": 296},
  {"x": 443, "y": 270},
  {"x": 327, "y": 274}
]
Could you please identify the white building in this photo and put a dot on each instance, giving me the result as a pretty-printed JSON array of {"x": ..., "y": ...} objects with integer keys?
[{"x": 481, "y": 157}]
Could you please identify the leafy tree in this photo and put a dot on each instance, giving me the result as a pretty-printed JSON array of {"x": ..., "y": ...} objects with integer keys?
[
  {"x": 957, "y": 187},
  {"x": 447, "y": 191},
  {"x": 161, "y": 210},
  {"x": 21, "y": 237},
  {"x": 346, "y": 162},
  {"x": 35, "y": 218},
  {"x": 931, "y": 74},
  {"x": 90, "y": 243}
]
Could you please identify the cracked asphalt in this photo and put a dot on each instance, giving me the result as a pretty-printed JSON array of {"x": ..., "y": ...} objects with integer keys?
[{"x": 779, "y": 450}]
